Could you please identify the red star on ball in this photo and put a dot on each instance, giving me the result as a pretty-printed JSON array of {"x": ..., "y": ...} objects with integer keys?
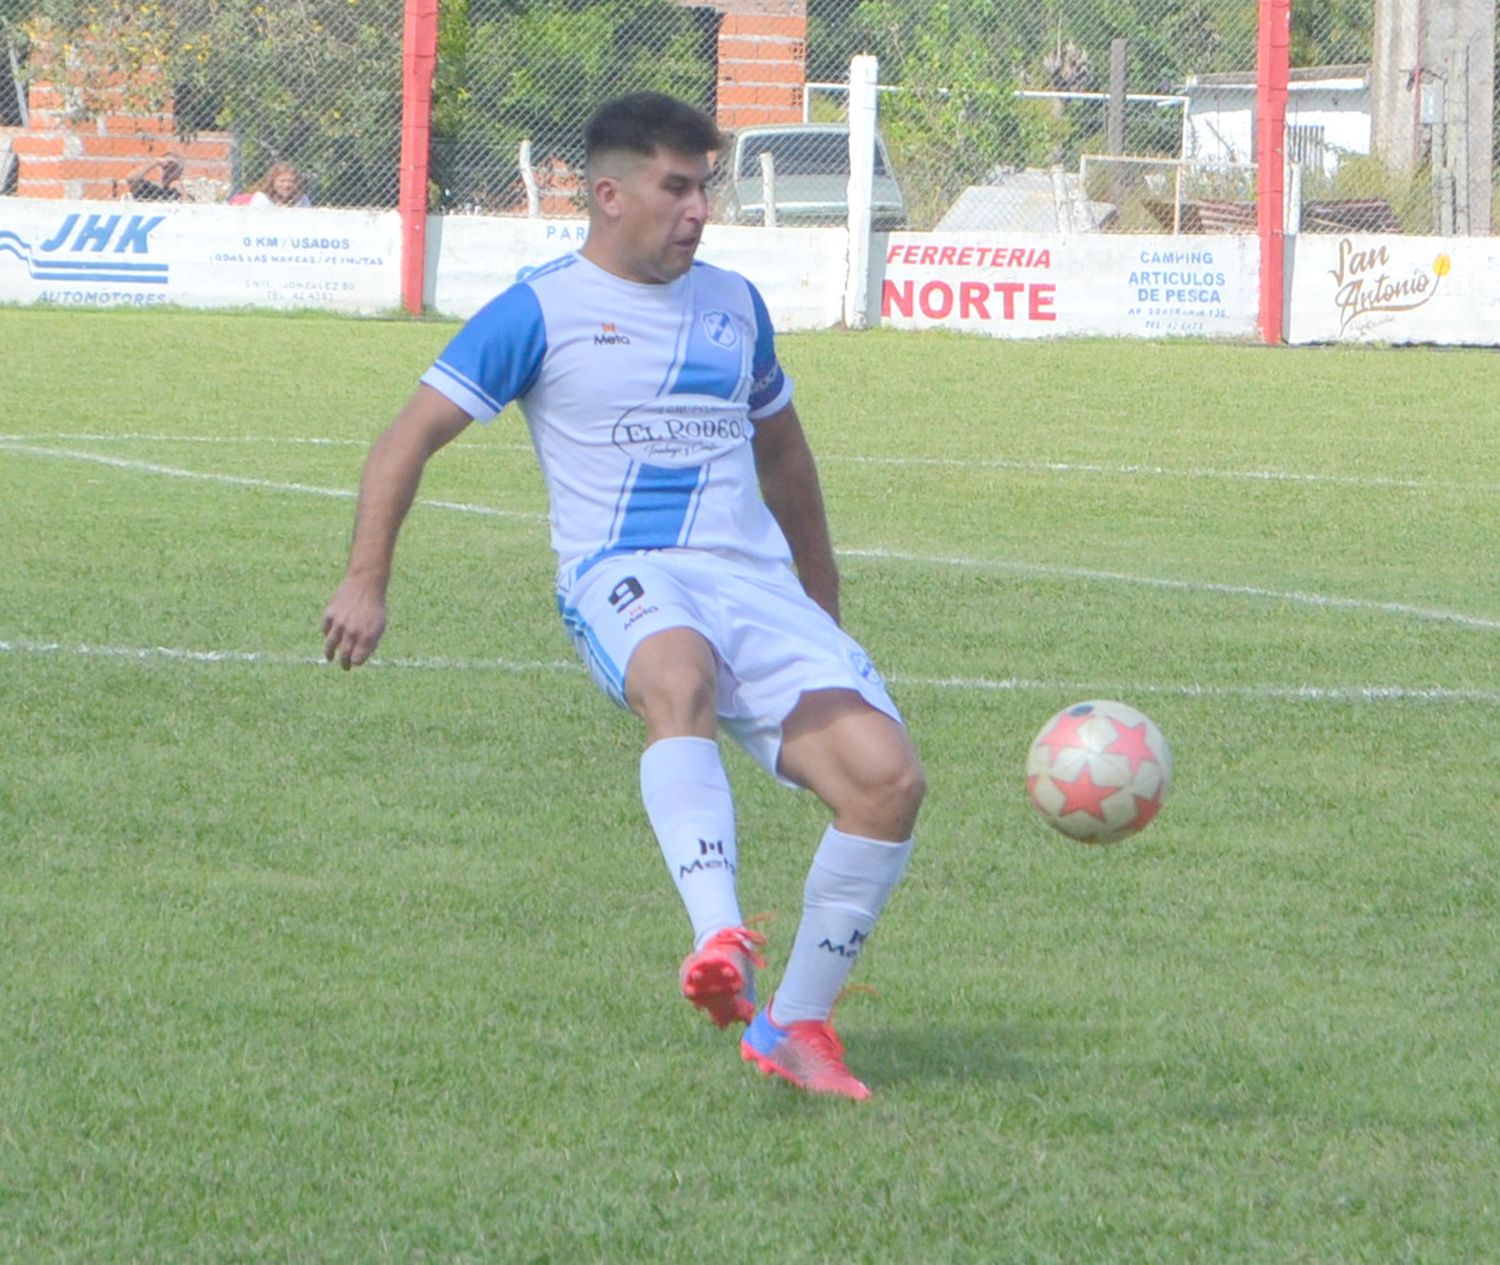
[
  {"x": 1145, "y": 810},
  {"x": 1065, "y": 733},
  {"x": 1082, "y": 796},
  {"x": 1131, "y": 743}
]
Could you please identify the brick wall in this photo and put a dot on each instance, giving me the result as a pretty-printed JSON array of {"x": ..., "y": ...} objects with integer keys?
[
  {"x": 762, "y": 52},
  {"x": 762, "y": 69},
  {"x": 61, "y": 155}
]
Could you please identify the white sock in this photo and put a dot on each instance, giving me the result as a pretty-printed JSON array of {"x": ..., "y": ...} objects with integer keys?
[
  {"x": 688, "y": 800},
  {"x": 846, "y": 889}
]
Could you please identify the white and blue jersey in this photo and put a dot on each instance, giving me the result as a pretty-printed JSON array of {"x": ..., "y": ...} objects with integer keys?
[{"x": 641, "y": 401}]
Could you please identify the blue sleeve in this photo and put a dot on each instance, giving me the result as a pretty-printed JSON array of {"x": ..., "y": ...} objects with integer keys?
[
  {"x": 770, "y": 388},
  {"x": 495, "y": 357}
]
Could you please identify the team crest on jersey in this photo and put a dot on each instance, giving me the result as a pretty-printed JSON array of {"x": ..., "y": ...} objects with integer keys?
[
  {"x": 864, "y": 667},
  {"x": 719, "y": 327}
]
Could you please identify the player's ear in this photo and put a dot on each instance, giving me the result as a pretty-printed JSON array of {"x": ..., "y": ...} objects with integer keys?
[{"x": 604, "y": 194}]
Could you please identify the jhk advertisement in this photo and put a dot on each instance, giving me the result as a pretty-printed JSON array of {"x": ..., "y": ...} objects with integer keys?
[{"x": 110, "y": 254}]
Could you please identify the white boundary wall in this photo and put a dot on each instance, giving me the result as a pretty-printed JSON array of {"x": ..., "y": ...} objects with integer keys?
[
  {"x": 800, "y": 272},
  {"x": 1340, "y": 289}
]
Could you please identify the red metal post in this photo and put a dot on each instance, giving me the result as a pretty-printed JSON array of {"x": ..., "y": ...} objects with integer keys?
[
  {"x": 419, "y": 61},
  {"x": 1273, "y": 62}
]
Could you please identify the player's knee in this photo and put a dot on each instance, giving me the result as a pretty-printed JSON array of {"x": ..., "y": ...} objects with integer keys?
[
  {"x": 891, "y": 795},
  {"x": 908, "y": 788},
  {"x": 670, "y": 683},
  {"x": 679, "y": 706}
]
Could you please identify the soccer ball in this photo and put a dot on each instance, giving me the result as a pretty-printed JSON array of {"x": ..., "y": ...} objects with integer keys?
[{"x": 1098, "y": 771}]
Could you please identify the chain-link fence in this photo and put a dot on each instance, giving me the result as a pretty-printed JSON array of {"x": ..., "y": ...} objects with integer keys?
[
  {"x": 95, "y": 94},
  {"x": 1072, "y": 115},
  {"x": 1140, "y": 115}
]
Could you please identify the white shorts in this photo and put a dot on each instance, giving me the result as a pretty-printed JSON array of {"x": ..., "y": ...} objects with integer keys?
[{"x": 773, "y": 642}]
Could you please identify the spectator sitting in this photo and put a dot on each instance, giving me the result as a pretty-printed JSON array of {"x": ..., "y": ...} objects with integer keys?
[
  {"x": 167, "y": 189},
  {"x": 283, "y": 186}
]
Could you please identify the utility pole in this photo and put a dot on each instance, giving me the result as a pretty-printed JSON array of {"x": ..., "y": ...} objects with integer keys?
[{"x": 1432, "y": 100}]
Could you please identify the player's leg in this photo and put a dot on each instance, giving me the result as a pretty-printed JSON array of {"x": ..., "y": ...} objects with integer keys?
[
  {"x": 640, "y": 631},
  {"x": 670, "y": 685},
  {"x": 807, "y": 703},
  {"x": 861, "y": 763}
]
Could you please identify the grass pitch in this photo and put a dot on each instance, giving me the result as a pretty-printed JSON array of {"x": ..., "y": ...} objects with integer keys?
[{"x": 305, "y": 966}]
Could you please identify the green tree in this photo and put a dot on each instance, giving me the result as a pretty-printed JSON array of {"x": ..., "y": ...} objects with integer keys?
[
  {"x": 534, "y": 71},
  {"x": 954, "y": 119}
]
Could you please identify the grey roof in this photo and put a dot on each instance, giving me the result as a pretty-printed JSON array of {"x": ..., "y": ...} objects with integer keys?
[{"x": 1303, "y": 77}]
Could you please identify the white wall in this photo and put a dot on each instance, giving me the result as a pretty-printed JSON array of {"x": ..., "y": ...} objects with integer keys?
[
  {"x": 1221, "y": 120},
  {"x": 1220, "y": 126},
  {"x": 1340, "y": 289},
  {"x": 471, "y": 258},
  {"x": 1342, "y": 112}
]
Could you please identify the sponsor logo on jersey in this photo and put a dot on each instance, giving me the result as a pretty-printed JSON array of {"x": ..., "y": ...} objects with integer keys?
[
  {"x": 683, "y": 430},
  {"x": 609, "y": 336}
]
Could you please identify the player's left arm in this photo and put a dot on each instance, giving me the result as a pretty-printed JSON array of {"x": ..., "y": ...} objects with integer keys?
[{"x": 789, "y": 483}]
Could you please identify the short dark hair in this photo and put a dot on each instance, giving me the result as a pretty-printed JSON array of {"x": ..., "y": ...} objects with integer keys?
[{"x": 643, "y": 122}]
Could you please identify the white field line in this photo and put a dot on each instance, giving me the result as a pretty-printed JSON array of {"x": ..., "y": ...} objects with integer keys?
[
  {"x": 956, "y": 463},
  {"x": 1279, "y": 693},
  {"x": 1290, "y": 597},
  {"x": 138, "y": 438},
  {"x": 274, "y": 658},
  {"x": 1166, "y": 472},
  {"x": 1019, "y": 568},
  {"x": 1079, "y": 689},
  {"x": 235, "y": 480}
]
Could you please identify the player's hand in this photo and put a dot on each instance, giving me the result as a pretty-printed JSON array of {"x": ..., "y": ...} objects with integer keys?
[{"x": 353, "y": 623}]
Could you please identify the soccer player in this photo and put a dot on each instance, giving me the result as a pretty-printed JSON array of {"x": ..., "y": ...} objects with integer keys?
[{"x": 682, "y": 492}]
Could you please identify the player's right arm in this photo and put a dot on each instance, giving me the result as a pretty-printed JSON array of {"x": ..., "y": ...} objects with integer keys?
[{"x": 355, "y": 617}]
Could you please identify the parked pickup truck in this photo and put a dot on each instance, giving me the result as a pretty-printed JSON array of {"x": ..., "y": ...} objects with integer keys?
[{"x": 811, "y": 181}]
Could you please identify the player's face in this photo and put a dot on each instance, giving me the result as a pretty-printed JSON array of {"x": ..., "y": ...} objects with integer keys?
[{"x": 659, "y": 206}]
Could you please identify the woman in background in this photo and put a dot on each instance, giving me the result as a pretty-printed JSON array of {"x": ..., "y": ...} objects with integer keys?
[{"x": 283, "y": 186}]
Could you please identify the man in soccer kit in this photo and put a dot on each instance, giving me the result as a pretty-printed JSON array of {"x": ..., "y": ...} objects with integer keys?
[{"x": 682, "y": 493}]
